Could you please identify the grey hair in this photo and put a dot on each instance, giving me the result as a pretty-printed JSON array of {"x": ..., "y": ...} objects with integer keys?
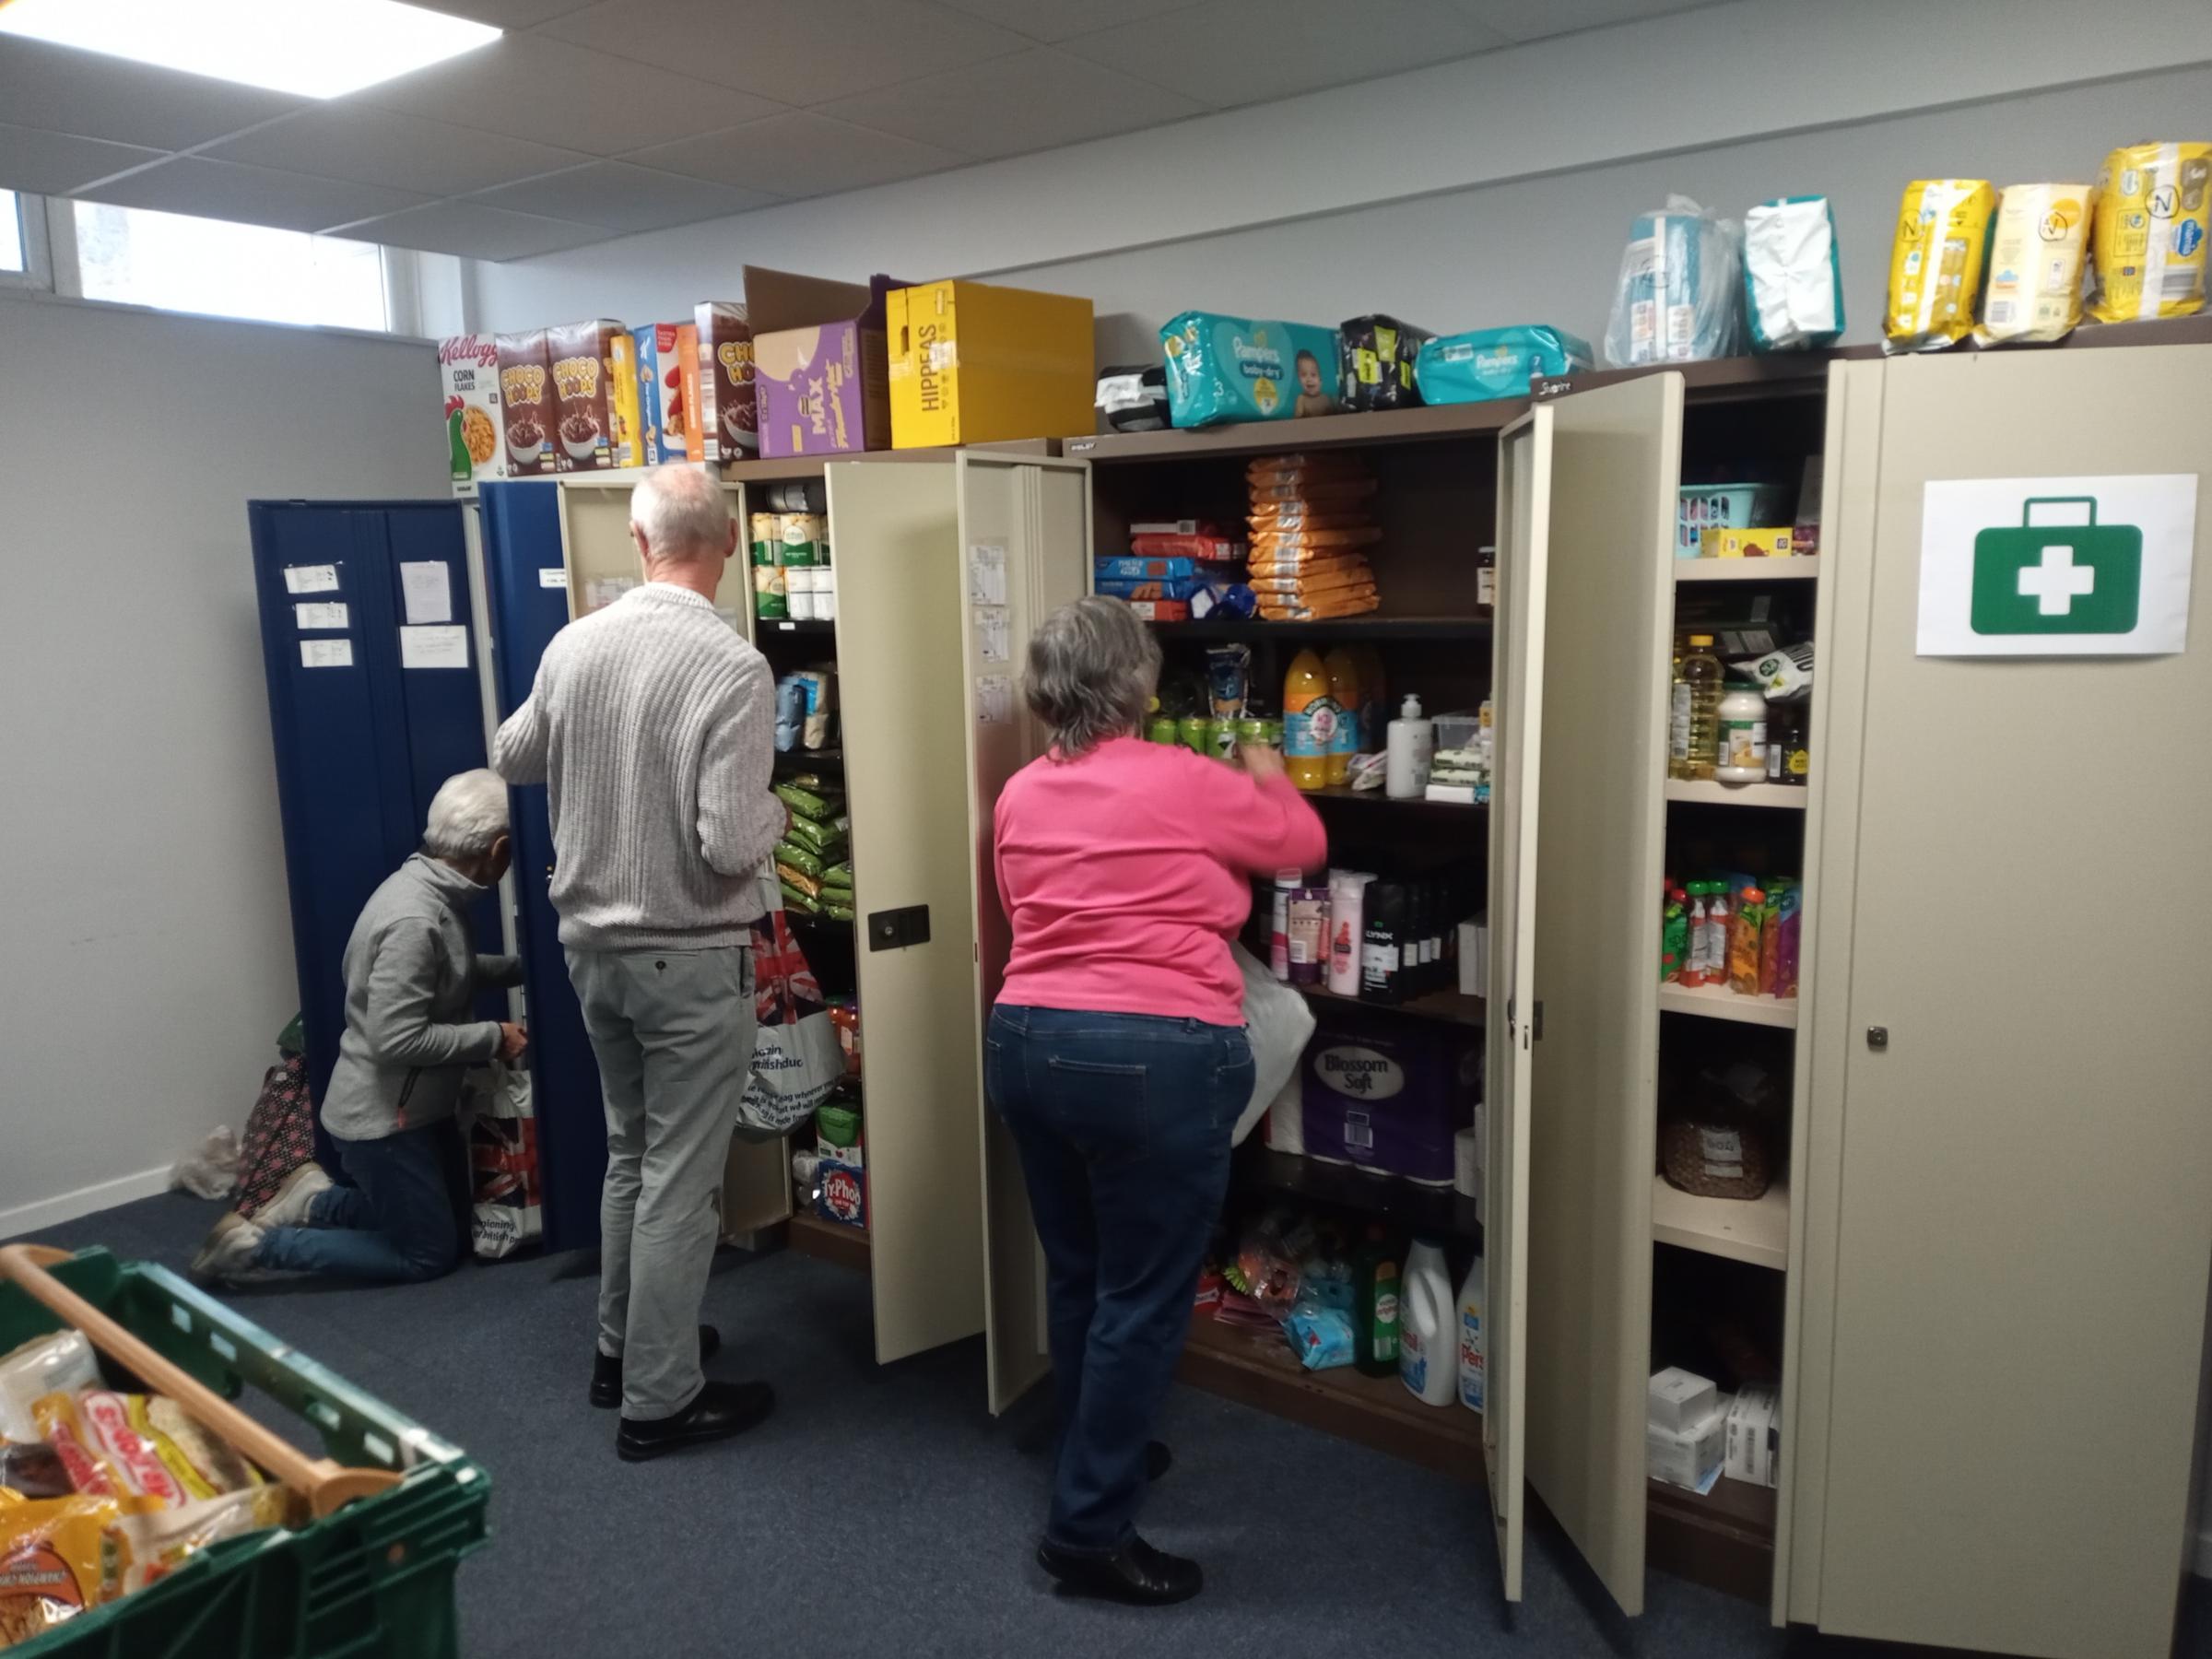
[
  {"x": 1093, "y": 667},
  {"x": 682, "y": 513},
  {"x": 467, "y": 814}
]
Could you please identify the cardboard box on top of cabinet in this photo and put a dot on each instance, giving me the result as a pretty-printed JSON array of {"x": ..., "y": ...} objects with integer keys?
[
  {"x": 526, "y": 403},
  {"x": 972, "y": 363},
  {"x": 660, "y": 394},
  {"x": 582, "y": 358},
  {"x": 819, "y": 376},
  {"x": 625, "y": 408},
  {"x": 469, "y": 365}
]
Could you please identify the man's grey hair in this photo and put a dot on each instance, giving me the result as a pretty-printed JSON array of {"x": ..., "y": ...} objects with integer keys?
[
  {"x": 682, "y": 512},
  {"x": 467, "y": 814},
  {"x": 1093, "y": 668}
]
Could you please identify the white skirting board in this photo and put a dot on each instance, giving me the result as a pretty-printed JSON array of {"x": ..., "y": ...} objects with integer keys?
[{"x": 26, "y": 1220}]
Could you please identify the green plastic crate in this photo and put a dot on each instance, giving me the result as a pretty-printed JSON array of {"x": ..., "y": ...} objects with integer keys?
[{"x": 374, "y": 1580}]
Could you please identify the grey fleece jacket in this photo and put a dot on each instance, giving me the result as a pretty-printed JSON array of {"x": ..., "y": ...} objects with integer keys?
[{"x": 411, "y": 972}]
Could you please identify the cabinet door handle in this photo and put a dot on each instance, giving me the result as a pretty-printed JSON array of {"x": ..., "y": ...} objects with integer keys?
[{"x": 1877, "y": 1037}]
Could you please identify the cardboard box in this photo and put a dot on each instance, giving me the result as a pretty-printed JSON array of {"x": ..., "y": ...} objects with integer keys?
[
  {"x": 526, "y": 413},
  {"x": 624, "y": 404},
  {"x": 970, "y": 363},
  {"x": 582, "y": 363},
  {"x": 1689, "y": 1456},
  {"x": 1388, "y": 1094},
  {"x": 1161, "y": 610},
  {"x": 469, "y": 364},
  {"x": 728, "y": 421},
  {"x": 1754, "y": 1439},
  {"x": 660, "y": 392},
  {"x": 1677, "y": 1399},
  {"x": 683, "y": 412},
  {"x": 819, "y": 374},
  {"x": 1770, "y": 542}
]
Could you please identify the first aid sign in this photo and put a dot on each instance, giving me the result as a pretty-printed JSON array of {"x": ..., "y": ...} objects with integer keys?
[{"x": 2057, "y": 567}]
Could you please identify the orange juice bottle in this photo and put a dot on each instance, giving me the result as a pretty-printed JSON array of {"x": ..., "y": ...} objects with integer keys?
[
  {"x": 1346, "y": 684},
  {"x": 1309, "y": 722}
]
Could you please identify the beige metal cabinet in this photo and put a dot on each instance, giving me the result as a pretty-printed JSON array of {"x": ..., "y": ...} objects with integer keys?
[{"x": 2007, "y": 1243}]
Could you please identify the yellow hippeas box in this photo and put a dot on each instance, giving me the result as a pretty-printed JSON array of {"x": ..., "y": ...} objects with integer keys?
[
  {"x": 975, "y": 364},
  {"x": 1763, "y": 542}
]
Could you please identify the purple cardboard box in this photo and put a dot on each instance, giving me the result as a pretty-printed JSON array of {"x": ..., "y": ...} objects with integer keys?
[
  {"x": 1388, "y": 1094},
  {"x": 821, "y": 369}
]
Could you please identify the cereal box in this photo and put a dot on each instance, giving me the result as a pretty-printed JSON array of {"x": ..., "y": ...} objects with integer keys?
[
  {"x": 660, "y": 392},
  {"x": 582, "y": 359},
  {"x": 525, "y": 402},
  {"x": 728, "y": 424},
  {"x": 469, "y": 365},
  {"x": 623, "y": 403}
]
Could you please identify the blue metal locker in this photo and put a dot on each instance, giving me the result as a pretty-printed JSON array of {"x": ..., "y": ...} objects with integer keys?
[
  {"x": 525, "y": 578},
  {"x": 362, "y": 739}
]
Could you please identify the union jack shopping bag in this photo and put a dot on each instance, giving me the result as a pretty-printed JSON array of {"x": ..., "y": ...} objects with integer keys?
[{"x": 797, "y": 1059}]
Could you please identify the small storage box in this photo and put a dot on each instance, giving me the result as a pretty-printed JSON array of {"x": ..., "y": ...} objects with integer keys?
[
  {"x": 1704, "y": 507},
  {"x": 1387, "y": 1094}
]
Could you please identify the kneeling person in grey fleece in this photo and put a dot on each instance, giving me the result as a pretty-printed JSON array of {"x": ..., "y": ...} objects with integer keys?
[
  {"x": 651, "y": 722},
  {"x": 411, "y": 974}
]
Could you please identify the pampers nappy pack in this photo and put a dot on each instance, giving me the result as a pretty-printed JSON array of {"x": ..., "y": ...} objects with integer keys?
[
  {"x": 1495, "y": 362},
  {"x": 1793, "y": 280},
  {"x": 1677, "y": 299},
  {"x": 1223, "y": 369},
  {"x": 2154, "y": 208},
  {"x": 1936, "y": 262}
]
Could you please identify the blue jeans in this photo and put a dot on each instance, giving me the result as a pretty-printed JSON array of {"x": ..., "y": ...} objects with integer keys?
[
  {"x": 1123, "y": 1124},
  {"x": 405, "y": 1219}
]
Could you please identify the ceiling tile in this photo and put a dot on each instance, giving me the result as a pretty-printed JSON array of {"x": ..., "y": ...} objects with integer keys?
[
  {"x": 66, "y": 91},
  {"x": 255, "y": 196},
  {"x": 1231, "y": 53},
  {"x": 552, "y": 93},
  {"x": 1062, "y": 20},
  {"x": 800, "y": 153},
  {"x": 1519, "y": 21},
  {"x": 475, "y": 231},
  {"x": 58, "y": 163},
  {"x": 622, "y": 197},
  {"x": 508, "y": 13},
  {"x": 404, "y": 152},
  {"x": 798, "y": 52},
  {"x": 1034, "y": 100}
]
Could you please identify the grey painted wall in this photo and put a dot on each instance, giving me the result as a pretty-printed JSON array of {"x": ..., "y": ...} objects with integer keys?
[{"x": 145, "y": 958}]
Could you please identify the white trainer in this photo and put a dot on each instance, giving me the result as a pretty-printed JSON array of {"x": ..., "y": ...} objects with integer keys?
[
  {"x": 294, "y": 1196},
  {"x": 228, "y": 1255}
]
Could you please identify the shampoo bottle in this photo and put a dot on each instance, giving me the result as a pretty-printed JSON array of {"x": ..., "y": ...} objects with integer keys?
[{"x": 1412, "y": 741}]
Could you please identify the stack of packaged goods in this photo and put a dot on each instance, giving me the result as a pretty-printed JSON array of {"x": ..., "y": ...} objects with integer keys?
[
  {"x": 1740, "y": 931},
  {"x": 1311, "y": 521},
  {"x": 841, "y": 1182},
  {"x": 792, "y": 576},
  {"x": 1175, "y": 570},
  {"x": 806, "y": 709},
  {"x": 814, "y": 860},
  {"x": 102, "y": 1492}
]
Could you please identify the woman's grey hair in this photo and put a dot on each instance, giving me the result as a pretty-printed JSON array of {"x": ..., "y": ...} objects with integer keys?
[
  {"x": 467, "y": 814},
  {"x": 682, "y": 513},
  {"x": 1093, "y": 667}
]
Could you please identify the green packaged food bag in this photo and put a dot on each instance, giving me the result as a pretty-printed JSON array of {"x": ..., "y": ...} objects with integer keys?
[
  {"x": 837, "y": 1126},
  {"x": 799, "y": 858},
  {"x": 805, "y": 803}
]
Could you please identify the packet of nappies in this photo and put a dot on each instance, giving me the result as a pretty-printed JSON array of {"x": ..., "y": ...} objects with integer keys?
[
  {"x": 1677, "y": 299},
  {"x": 1486, "y": 363},
  {"x": 1936, "y": 262},
  {"x": 1224, "y": 369},
  {"x": 1793, "y": 278},
  {"x": 2154, "y": 211},
  {"x": 2035, "y": 258},
  {"x": 1377, "y": 362}
]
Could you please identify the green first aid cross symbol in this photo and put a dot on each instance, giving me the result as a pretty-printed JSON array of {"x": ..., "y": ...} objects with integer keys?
[{"x": 2057, "y": 579}]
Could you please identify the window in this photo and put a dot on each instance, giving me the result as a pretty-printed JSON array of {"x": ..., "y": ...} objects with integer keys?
[
  {"x": 11, "y": 232},
  {"x": 135, "y": 256}
]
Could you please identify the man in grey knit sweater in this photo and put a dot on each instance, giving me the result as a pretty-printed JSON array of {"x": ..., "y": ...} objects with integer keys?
[{"x": 651, "y": 722}]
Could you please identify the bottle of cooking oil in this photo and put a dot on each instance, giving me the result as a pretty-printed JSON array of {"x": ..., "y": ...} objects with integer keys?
[
  {"x": 1677, "y": 719},
  {"x": 1701, "y": 672}
]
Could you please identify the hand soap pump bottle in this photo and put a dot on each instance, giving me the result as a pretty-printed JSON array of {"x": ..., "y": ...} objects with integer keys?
[{"x": 1412, "y": 739}]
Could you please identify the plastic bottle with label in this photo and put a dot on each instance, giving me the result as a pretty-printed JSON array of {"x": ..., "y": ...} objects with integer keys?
[
  {"x": 1278, "y": 922},
  {"x": 1694, "y": 962},
  {"x": 1702, "y": 673},
  {"x": 1411, "y": 742},
  {"x": 1428, "y": 1326},
  {"x": 1740, "y": 741},
  {"x": 1376, "y": 1305},
  {"x": 1345, "y": 692},
  {"x": 1309, "y": 722},
  {"x": 1677, "y": 720},
  {"x": 1473, "y": 1345},
  {"x": 1348, "y": 929},
  {"x": 1486, "y": 579},
  {"x": 1381, "y": 973}
]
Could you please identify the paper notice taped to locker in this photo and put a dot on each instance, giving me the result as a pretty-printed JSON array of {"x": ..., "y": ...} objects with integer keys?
[
  {"x": 329, "y": 616},
  {"x": 993, "y": 699},
  {"x": 426, "y": 587},
  {"x": 987, "y": 573},
  {"x": 994, "y": 633},
  {"x": 435, "y": 647},
  {"x": 310, "y": 579},
  {"x": 326, "y": 654}
]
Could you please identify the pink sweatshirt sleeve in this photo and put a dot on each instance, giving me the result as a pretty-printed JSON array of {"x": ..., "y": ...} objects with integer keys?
[{"x": 1257, "y": 828}]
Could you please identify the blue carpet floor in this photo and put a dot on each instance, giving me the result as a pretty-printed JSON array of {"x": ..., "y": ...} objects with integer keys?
[{"x": 881, "y": 1511}]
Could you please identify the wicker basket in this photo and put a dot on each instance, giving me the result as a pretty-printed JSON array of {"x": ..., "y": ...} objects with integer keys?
[{"x": 1715, "y": 1160}]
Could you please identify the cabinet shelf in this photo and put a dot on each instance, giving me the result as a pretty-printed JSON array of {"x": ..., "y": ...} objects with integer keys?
[
  {"x": 1756, "y": 1230},
  {"x": 1717, "y": 1002},
  {"x": 1375, "y": 800},
  {"x": 1402, "y": 1204},
  {"x": 1801, "y": 567},
  {"x": 829, "y": 1241},
  {"x": 1381, "y": 629},
  {"x": 804, "y": 627},
  {"x": 1450, "y": 1006},
  {"x": 1788, "y": 796},
  {"x": 807, "y": 759}
]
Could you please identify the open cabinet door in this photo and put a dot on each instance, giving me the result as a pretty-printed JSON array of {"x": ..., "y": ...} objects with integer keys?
[
  {"x": 1517, "y": 722},
  {"x": 1599, "y": 844},
  {"x": 901, "y": 614},
  {"x": 1025, "y": 540}
]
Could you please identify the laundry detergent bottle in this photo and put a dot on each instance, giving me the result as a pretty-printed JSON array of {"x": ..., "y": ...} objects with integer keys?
[{"x": 1428, "y": 1326}]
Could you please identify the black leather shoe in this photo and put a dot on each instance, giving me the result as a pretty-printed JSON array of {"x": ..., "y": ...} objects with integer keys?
[
  {"x": 1136, "y": 1572},
  {"x": 1159, "y": 1460},
  {"x": 721, "y": 1410},
  {"x": 606, "y": 1368}
]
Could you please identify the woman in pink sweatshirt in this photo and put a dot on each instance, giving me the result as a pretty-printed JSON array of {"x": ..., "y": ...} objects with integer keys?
[{"x": 1116, "y": 1054}]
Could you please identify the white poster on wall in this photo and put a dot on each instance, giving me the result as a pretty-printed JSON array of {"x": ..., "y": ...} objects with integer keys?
[
  {"x": 434, "y": 647},
  {"x": 2057, "y": 567}
]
